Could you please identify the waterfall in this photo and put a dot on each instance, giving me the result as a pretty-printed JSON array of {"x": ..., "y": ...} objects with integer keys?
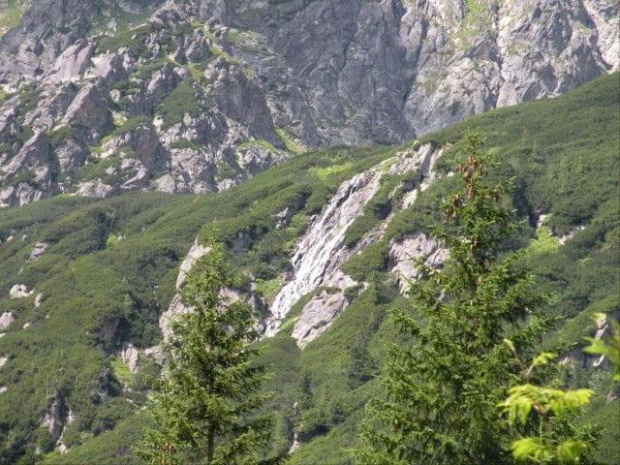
[{"x": 317, "y": 252}]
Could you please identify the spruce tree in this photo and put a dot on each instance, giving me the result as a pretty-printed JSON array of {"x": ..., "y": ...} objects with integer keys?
[
  {"x": 206, "y": 405},
  {"x": 443, "y": 383}
]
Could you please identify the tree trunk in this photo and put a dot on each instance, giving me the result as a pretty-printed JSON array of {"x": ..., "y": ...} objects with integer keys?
[{"x": 210, "y": 445}]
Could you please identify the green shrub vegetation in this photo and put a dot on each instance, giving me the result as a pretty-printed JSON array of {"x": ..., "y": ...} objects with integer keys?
[
  {"x": 455, "y": 362},
  {"x": 562, "y": 155},
  {"x": 11, "y": 15},
  {"x": 128, "y": 126},
  {"x": 99, "y": 293},
  {"x": 131, "y": 38},
  {"x": 183, "y": 100},
  {"x": 291, "y": 144}
]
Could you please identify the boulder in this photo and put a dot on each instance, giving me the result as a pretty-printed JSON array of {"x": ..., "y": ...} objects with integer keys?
[
  {"x": 38, "y": 250},
  {"x": 20, "y": 291}
]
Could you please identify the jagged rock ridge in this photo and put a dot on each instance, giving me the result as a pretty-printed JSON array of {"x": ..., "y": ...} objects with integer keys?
[{"x": 197, "y": 95}]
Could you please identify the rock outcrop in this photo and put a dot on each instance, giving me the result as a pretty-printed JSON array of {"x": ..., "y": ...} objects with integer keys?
[
  {"x": 196, "y": 252},
  {"x": 405, "y": 254},
  {"x": 177, "y": 307},
  {"x": 38, "y": 250},
  {"x": 320, "y": 254},
  {"x": 580, "y": 359},
  {"x": 56, "y": 419},
  {"x": 130, "y": 356},
  {"x": 323, "y": 309},
  {"x": 20, "y": 291},
  {"x": 6, "y": 319},
  {"x": 386, "y": 70}
]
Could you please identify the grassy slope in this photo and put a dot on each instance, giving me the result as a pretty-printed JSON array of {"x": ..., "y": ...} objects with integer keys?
[
  {"x": 564, "y": 157},
  {"x": 10, "y": 16},
  {"x": 563, "y": 154}
]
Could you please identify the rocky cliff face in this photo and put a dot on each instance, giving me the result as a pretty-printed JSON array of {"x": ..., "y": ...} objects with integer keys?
[
  {"x": 320, "y": 254},
  {"x": 198, "y": 95}
]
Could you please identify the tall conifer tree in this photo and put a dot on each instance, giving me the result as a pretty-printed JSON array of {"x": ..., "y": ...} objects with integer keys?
[
  {"x": 206, "y": 406},
  {"x": 443, "y": 386}
]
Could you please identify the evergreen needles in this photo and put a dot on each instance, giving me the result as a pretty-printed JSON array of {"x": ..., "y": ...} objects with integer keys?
[
  {"x": 205, "y": 406},
  {"x": 444, "y": 381}
]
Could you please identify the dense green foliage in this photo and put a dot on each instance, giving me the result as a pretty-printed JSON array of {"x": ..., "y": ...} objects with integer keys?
[
  {"x": 558, "y": 439},
  {"x": 555, "y": 438},
  {"x": 108, "y": 273},
  {"x": 563, "y": 154},
  {"x": 11, "y": 15},
  {"x": 579, "y": 277}
]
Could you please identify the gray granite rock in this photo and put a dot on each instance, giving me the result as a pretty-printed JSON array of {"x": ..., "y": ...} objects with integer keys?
[{"x": 189, "y": 105}]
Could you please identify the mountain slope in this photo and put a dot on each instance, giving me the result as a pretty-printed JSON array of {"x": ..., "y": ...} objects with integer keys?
[
  {"x": 84, "y": 282},
  {"x": 199, "y": 95}
]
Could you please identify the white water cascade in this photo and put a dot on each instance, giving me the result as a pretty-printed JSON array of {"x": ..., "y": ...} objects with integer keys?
[
  {"x": 314, "y": 255},
  {"x": 321, "y": 252}
]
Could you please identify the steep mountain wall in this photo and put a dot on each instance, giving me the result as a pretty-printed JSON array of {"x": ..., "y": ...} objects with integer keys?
[
  {"x": 198, "y": 95},
  {"x": 385, "y": 70}
]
